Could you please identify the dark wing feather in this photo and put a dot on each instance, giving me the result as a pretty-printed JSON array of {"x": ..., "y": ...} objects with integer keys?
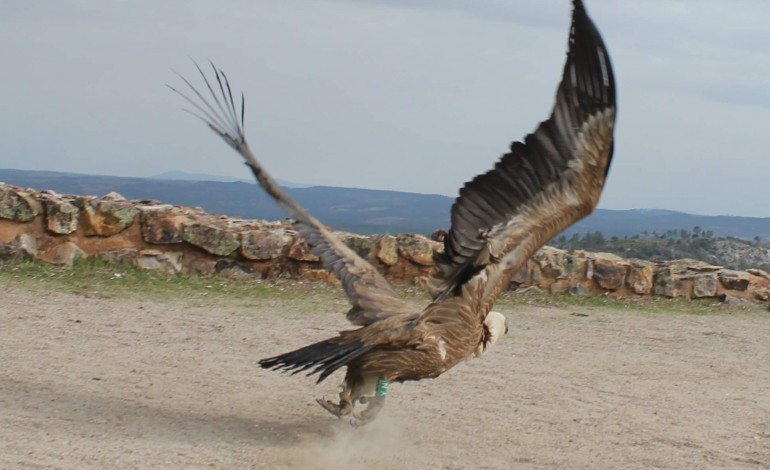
[
  {"x": 544, "y": 184},
  {"x": 370, "y": 295}
]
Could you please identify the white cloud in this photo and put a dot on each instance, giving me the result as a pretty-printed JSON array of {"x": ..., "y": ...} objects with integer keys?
[{"x": 416, "y": 96}]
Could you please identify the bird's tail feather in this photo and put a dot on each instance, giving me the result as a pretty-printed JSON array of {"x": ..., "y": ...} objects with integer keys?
[{"x": 325, "y": 356}]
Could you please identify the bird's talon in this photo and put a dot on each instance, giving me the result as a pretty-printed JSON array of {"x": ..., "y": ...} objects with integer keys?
[{"x": 329, "y": 406}]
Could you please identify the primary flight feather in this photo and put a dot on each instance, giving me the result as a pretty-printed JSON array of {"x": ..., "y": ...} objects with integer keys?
[{"x": 540, "y": 187}]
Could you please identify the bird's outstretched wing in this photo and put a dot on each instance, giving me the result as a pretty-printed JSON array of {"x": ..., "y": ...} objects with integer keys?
[
  {"x": 543, "y": 184},
  {"x": 370, "y": 295}
]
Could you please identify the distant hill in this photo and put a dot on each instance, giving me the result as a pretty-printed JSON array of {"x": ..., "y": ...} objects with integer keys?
[
  {"x": 637, "y": 221},
  {"x": 185, "y": 176},
  {"x": 356, "y": 210},
  {"x": 364, "y": 211},
  {"x": 670, "y": 245}
]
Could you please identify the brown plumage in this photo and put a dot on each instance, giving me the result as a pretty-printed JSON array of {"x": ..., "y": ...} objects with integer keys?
[{"x": 544, "y": 184}]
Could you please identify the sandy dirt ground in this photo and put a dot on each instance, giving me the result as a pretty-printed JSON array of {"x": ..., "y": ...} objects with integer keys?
[{"x": 106, "y": 383}]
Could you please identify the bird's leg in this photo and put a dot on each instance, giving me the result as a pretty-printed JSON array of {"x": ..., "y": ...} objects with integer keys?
[
  {"x": 344, "y": 408},
  {"x": 373, "y": 405}
]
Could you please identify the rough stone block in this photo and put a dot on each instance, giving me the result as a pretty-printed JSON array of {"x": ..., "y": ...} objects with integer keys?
[
  {"x": 65, "y": 254},
  {"x": 640, "y": 276},
  {"x": 704, "y": 285},
  {"x": 264, "y": 244},
  {"x": 169, "y": 262},
  {"x": 23, "y": 247},
  {"x": 126, "y": 255},
  {"x": 105, "y": 218},
  {"x": 387, "y": 250},
  {"x": 61, "y": 216},
  {"x": 216, "y": 240},
  {"x": 733, "y": 280},
  {"x": 300, "y": 251},
  {"x": 16, "y": 204},
  {"x": 360, "y": 244},
  {"x": 417, "y": 249},
  {"x": 663, "y": 284},
  {"x": 162, "y": 225},
  {"x": 608, "y": 274}
]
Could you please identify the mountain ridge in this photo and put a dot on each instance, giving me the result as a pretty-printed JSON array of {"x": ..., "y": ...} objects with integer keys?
[{"x": 364, "y": 211}]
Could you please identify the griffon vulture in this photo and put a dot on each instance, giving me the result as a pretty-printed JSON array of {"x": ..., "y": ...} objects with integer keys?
[{"x": 541, "y": 186}]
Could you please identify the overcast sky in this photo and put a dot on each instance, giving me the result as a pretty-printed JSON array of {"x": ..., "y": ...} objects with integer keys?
[{"x": 409, "y": 95}]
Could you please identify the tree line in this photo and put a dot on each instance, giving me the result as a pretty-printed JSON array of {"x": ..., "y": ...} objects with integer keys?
[{"x": 694, "y": 243}]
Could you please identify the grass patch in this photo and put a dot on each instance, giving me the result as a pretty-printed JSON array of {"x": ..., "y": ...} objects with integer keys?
[
  {"x": 95, "y": 278},
  {"x": 646, "y": 303}
]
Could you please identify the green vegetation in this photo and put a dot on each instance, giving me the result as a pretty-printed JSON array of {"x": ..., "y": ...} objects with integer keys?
[
  {"x": 579, "y": 305},
  {"x": 102, "y": 280},
  {"x": 675, "y": 244},
  {"x": 94, "y": 278},
  {"x": 98, "y": 279}
]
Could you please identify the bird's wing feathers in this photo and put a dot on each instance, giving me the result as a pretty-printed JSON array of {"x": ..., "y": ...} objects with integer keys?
[
  {"x": 370, "y": 295},
  {"x": 501, "y": 217},
  {"x": 542, "y": 185}
]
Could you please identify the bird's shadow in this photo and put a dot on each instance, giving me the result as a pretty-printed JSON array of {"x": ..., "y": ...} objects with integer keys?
[{"x": 48, "y": 407}]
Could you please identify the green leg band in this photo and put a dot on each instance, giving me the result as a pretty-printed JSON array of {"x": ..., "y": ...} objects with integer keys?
[{"x": 382, "y": 388}]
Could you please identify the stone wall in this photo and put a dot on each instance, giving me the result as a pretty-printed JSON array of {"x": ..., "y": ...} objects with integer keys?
[{"x": 60, "y": 229}]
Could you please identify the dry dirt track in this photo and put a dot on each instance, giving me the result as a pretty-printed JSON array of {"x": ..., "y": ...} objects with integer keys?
[{"x": 105, "y": 383}]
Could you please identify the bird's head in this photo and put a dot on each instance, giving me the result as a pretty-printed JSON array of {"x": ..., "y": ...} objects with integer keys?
[{"x": 495, "y": 326}]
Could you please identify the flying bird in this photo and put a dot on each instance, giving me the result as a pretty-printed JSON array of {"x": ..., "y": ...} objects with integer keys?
[{"x": 545, "y": 183}]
